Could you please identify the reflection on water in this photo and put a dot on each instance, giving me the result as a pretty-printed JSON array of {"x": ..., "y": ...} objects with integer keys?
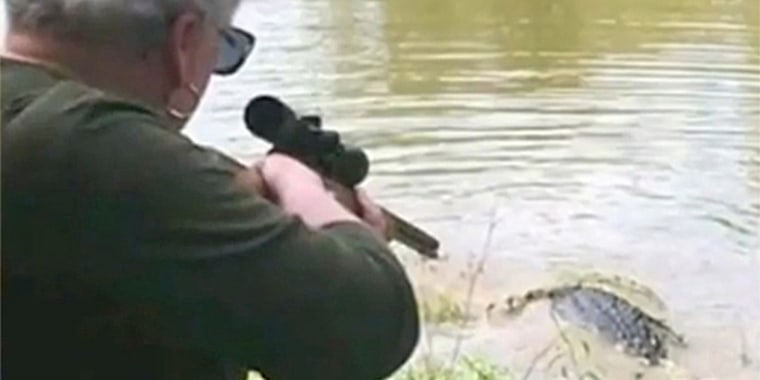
[{"x": 620, "y": 134}]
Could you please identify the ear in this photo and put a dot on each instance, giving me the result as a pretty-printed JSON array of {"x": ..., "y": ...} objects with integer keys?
[{"x": 184, "y": 38}]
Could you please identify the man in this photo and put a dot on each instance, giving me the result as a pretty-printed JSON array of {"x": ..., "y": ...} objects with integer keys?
[{"x": 129, "y": 252}]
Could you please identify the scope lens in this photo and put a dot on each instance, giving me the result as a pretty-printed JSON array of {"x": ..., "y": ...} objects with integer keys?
[{"x": 350, "y": 167}]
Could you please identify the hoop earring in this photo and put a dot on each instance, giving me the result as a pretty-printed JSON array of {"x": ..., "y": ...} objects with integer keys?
[{"x": 177, "y": 114}]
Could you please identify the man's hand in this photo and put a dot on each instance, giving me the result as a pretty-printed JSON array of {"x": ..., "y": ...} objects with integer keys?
[
  {"x": 301, "y": 191},
  {"x": 276, "y": 173},
  {"x": 373, "y": 215},
  {"x": 281, "y": 178},
  {"x": 252, "y": 180}
]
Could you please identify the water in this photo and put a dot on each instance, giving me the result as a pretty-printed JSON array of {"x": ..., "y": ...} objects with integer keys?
[{"x": 616, "y": 135}]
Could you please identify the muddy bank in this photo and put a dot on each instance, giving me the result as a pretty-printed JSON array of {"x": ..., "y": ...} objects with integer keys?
[{"x": 533, "y": 346}]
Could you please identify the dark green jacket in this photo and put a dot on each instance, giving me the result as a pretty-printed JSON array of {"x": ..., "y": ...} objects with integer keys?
[{"x": 128, "y": 252}]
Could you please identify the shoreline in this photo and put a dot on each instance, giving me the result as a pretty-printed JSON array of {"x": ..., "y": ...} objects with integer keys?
[{"x": 716, "y": 351}]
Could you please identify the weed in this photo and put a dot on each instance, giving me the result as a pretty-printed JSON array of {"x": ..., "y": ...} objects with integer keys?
[
  {"x": 440, "y": 308},
  {"x": 467, "y": 368}
]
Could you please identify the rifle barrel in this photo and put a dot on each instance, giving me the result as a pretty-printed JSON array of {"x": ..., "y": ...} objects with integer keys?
[{"x": 411, "y": 236}]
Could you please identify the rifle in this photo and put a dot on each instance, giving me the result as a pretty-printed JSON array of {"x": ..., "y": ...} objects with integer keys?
[{"x": 342, "y": 166}]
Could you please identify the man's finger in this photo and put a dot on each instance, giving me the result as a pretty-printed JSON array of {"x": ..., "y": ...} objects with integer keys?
[
  {"x": 373, "y": 215},
  {"x": 253, "y": 180}
]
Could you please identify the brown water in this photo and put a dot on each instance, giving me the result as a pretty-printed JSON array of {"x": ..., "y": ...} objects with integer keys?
[{"x": 622, "y": 136}]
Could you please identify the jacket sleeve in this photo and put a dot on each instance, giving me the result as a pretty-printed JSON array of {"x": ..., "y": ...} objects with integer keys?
[{"x": 226, "y": 272}]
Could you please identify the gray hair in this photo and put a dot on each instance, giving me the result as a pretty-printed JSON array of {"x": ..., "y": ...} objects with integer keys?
[{"x": 138, "y": 24}]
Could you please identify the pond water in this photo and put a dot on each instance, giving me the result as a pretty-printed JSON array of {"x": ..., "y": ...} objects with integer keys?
[
  {"x": 618, "y": 136},
  {"x": 621, "y": 136}
]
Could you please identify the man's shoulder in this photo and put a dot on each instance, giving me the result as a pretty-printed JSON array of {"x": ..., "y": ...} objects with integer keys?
[
  {"x": 48, "y": 96},
  {"x": 89, "y": 108},
  {"x": 56, "y": 121}
]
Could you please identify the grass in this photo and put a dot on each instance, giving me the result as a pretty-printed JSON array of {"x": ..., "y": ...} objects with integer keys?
[
  {"x": 441, "y": 308},
  {"x": 467, "y": 368}
]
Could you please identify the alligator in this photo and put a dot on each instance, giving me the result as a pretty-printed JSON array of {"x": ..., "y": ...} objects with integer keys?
[{"x": 597, "y": 304}]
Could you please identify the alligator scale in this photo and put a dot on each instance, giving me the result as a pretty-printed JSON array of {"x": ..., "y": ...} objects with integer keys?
[{"x": 620, "y": 311}]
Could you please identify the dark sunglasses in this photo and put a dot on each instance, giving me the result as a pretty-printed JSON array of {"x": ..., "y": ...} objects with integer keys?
[{"x": 234, "y": 48}]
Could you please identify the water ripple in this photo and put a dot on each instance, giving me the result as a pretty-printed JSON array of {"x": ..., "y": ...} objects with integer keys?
[{"x": 623, "y": 132}]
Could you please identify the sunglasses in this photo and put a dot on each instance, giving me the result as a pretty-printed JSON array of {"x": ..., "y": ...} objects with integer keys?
[{"x": 234, "y": 48}]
